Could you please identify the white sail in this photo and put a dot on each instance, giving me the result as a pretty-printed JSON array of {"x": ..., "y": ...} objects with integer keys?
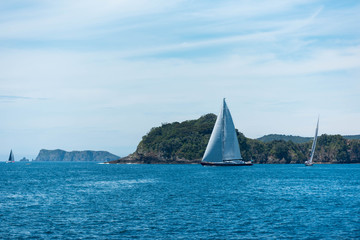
[
  {"x": 11, "y": 157},
  {"x": 213, "y": 152},
  {"x": 231, "y": 149},
  {"x": 314, "y": 142},
  {"x": 223, "y": 144}
]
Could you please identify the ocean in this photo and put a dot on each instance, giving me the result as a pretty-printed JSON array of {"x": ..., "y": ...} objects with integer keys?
[{"x": 62, "y": 200}]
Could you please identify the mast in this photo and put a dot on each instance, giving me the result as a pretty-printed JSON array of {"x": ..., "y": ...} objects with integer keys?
[{"x": 223, "y": 128}]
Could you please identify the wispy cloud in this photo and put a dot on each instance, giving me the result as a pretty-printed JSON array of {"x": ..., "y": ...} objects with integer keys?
[
  {"x": 71, "y": 19},
  {"x": 7, "y": 98},
  {"x": 122, "y": 67}
]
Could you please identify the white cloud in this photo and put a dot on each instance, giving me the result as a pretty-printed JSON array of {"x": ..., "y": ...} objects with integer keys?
[
  {"x": 72, "y": 19},
  {"x": 279, "y": 64}
]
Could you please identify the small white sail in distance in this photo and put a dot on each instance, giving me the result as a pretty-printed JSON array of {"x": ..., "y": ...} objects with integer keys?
[
  {"x": 314, "y": 142},
  {"x": 223, "y": 144},
  {"x": 11, "y": 157}
]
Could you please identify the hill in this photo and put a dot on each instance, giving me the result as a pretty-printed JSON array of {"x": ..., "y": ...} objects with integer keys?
[
  {"x": 273, "y": 137},
  {"x": 297, "y": 139},
  {"x": 185, "y": 142},
  {"x": 74, "y": 156},
  {"x": 176, "y": 142},
  {"x": 352, "y": 137}
]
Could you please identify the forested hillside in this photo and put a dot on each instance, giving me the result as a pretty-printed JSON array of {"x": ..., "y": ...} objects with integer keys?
[
  {"x": 186, "y": 142},
  {"x": 295, "y": 139}
]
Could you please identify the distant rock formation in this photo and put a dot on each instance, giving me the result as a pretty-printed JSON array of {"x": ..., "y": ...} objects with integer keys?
[
  {"x": 74, "y": 156},
  {"x": 24, "y": 160}
]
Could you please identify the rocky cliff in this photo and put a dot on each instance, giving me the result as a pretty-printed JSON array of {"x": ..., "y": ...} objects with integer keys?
[{"x": 74, "y": 156}]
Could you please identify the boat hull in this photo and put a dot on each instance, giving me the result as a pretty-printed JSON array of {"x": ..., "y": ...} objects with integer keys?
[
  {"x": 224, "y": 164},
  {"x": 308, "y": 164}
]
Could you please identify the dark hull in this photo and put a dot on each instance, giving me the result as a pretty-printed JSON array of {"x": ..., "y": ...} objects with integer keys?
[
  {"x": 308, "y": 164},
  {"x": 225, "y": 164}
]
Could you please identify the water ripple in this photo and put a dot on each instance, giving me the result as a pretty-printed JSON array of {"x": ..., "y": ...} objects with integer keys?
[{"x": 92, "y": 201}]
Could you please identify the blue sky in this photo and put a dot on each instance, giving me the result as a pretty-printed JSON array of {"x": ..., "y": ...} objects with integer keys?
[{"x": 99, "y": 75}]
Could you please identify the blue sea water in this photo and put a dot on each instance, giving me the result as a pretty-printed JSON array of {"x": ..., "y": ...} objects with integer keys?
[{"x": 45, "y": 200}]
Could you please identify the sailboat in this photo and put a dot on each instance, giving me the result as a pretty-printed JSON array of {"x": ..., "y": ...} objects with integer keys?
[
  {"x": 310, "y": 161},
  {"x": 223, "y": 147},
  {"x": 11, "y": 158}
]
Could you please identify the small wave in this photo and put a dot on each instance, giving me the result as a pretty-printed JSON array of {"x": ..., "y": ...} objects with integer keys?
[{"x": 121, "y": 184}]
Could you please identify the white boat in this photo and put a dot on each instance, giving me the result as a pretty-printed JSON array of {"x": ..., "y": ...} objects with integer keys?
[
  {"x": 223, "y": 147},
  {"x": 11, "y": 158},
  {"x": 310, "y": 161}
]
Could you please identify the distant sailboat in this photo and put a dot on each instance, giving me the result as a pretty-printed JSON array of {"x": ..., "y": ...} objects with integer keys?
[
  {"x": 11, "y": 158},
  {"x": 310, "y": 161},
  {"x": 223, "y": 147}
]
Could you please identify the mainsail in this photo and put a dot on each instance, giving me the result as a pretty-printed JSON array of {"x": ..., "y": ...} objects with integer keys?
[
  {"x": 314, "y": 143},
  {"x": 223, "y": 144},
  {"x": 11, "y": 157}
]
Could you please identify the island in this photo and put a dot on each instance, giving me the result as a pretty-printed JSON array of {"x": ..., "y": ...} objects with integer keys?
[
  {"x": 185, "y": 143},
  {"x": 59, "y": 155},
  {"x": 24, "y": 159}
]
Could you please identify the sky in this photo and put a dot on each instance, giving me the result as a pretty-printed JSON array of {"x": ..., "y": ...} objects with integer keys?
[{"x": 98, "y": 75}]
